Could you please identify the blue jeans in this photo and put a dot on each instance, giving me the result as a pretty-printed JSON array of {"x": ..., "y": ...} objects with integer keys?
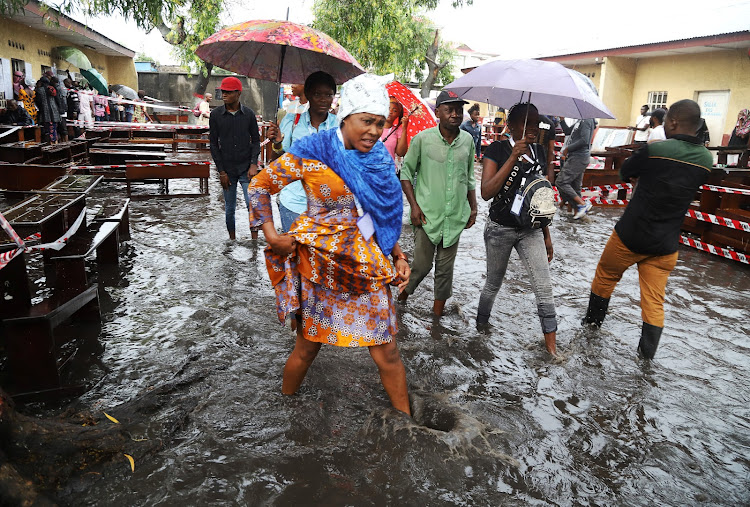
[
  {"x": 230, "y": 197},
  {"x": 499, "y": 240},
  {"x": 287, "y": 217}
]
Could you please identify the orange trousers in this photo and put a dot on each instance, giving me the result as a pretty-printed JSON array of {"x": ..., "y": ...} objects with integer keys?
[{"x": 653, "y": 272}]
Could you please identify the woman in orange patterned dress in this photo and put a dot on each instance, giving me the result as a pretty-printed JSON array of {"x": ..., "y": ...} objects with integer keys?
[{"x": 331, "y": 271}]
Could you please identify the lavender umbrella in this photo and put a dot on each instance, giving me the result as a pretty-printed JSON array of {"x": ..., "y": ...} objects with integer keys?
[{"x": 552, "y": 88}]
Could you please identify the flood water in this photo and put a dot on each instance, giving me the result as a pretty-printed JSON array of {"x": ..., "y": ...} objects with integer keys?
[{"x": 497, "y": 420}]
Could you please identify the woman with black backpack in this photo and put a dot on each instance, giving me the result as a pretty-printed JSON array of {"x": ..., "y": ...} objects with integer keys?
[{"x": 522, "y": 209}]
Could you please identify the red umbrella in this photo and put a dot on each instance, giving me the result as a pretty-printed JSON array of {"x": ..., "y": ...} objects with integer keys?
[
  {"x": 420, "y": 115},
  {"x": 279, "y": 51}
]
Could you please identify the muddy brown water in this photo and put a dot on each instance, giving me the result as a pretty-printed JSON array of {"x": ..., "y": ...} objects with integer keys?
[{"x": 497, "y": 421}]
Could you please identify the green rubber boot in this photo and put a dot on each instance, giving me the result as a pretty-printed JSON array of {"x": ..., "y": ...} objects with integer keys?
[
  {"x": 597, "y": 310},
  {"x": 650, "y": 336}
]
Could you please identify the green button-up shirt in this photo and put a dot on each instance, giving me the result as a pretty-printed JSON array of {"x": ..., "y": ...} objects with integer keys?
[{"x": 445, "y": 174}]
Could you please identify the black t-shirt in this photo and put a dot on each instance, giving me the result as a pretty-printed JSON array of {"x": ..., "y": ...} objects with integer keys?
[{"x": 499, "y": 152}]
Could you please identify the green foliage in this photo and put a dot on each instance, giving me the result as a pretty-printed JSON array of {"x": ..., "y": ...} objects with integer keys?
[
  {"x": 143, "y": 57},
  {"x": 384, "y": 35},
  {"x": 183, "y": 23},
  {"x": 191, "y": 25},
  {"x": 142, "y": 11}
]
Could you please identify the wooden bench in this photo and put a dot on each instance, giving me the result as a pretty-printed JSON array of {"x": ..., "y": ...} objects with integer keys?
[
  {"x": 162, "y": 175},
  {"x": 28, "y": 331}
]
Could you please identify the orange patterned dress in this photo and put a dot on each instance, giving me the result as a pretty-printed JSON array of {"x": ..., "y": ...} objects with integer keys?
[{"x": 337, "y": 280}]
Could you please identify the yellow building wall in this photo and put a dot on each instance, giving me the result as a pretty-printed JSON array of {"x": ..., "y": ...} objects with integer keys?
[
  {"x": 616, "y": 89},
  {"x": 683, "y": 76},
  {"x": 38, "y": 51}
]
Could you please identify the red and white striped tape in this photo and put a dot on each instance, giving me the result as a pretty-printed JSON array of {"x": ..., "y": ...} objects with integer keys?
[
  {"x": 723, "y": 221},
  {"x": 721, "y": 252},
  {"x": 609, "y": 202},
  {"x": 726, "y": 190},
  {"x": 6, "y": 257},
  {"x": 109, "y": 125},
  {"x": 124, "y": 166},
  {"x": 619, "y": 186}
]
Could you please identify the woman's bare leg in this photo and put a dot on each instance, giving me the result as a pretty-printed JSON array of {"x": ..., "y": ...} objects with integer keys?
[
  {"x": 299, "y": 361},
  {"x": 392, "y": 374}
]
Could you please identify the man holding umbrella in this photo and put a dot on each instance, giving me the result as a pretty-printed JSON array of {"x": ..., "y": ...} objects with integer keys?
[{"x": 235, "y": 146}]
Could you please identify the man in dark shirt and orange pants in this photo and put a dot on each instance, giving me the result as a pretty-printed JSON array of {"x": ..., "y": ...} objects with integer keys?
[
  {"x": 669, "y": 174},
  {"x": 235, "y": 146}
]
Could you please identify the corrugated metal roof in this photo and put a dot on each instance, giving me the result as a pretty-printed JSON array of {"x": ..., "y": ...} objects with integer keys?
[{"x": 656, "y": 45}]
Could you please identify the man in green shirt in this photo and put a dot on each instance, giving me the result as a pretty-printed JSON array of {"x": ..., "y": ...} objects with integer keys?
[{"x": 443, "y": 200}]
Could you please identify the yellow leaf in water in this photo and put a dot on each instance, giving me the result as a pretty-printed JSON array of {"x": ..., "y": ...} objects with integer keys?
[
  {"x": 111, "y": 418},
  {"x": 132, "y": 462}
]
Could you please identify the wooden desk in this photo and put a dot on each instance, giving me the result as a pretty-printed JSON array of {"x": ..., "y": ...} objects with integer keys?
[
  {"x": 50, "y": 214},
  {"x": 74, "y": 183},
  {"x": 102, "y": 156},
  {"x": 723, "y": 151},
  {"x": 21, "y": 152},
  {"x": 162, "y": 175}
]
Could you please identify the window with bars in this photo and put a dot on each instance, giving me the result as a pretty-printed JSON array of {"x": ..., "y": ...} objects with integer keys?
[{"x": 657, "y": 100}]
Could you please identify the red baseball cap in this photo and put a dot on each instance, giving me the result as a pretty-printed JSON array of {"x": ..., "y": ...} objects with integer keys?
[{"x": 230, "y": 84}]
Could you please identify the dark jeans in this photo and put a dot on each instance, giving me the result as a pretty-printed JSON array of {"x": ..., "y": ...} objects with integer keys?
[
  {"x": 499, "y": 240},
  {"x": 230, "y": 198}
]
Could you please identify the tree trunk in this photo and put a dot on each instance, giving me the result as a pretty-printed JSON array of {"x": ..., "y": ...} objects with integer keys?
[
  {"x": 433, "y": 68},
  {"x": 43, "y": 458},
  {"x": 202, "y": 83}
]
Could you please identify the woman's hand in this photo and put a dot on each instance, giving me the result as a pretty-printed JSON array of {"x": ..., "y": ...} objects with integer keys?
[
  {"x": 548, "y": 246},
  {"x": 274, "y": 133},
  {"x": 282, "y": 244},
  {"x": 404, "y": 272},
  {"x": 519, "y": 149}
]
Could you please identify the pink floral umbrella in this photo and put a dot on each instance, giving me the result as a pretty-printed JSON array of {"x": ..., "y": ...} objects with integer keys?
[
  {"x": 279, "y": 51},
  {"x": 420, "y": 115}
]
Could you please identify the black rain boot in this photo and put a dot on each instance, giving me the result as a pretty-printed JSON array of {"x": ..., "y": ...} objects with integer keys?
[
  {"x": 649, "y": 340},
  {"x": 597, "y": 310}
]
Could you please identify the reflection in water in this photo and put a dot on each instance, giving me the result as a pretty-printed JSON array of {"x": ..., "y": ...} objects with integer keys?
[{"x": 496, "y": 421}]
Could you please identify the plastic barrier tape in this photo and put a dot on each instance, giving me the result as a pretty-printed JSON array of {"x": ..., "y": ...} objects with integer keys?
[{"x": 721, "y": 252}]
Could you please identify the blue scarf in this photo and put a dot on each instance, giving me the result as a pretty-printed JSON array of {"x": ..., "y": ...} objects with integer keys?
[{"x": 370, "y": 176}]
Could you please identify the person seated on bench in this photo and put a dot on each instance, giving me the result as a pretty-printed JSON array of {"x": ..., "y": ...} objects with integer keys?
[{"x": 15, "y": 115}]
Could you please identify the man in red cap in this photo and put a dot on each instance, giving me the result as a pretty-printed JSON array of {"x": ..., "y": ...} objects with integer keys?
[{"x": 235, "y": 146}]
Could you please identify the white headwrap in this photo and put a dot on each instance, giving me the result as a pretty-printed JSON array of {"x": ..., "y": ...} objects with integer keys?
[{"x": 365, "y": 93}]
